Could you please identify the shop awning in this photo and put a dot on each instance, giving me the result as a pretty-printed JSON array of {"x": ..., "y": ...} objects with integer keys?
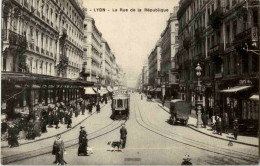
[
  {"x": 235, "y": 89},
  {"x": 89, "y": 91},
  {"x": 254, "y": 97}
]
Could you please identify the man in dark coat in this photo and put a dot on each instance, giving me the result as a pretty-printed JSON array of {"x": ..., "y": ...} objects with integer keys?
[
  {"x": 56, "y": 119},
  {"x": 123, "y": 135},
  {"x": 98, "y": 108},
  {"x": 13, "y": 136}
]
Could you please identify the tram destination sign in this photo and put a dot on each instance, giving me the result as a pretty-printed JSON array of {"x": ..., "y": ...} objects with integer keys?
[{"x": 120, "y": 92}]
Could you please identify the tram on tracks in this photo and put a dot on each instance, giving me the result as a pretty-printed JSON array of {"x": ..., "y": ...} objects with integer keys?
[{"x": 120, "y": 104}]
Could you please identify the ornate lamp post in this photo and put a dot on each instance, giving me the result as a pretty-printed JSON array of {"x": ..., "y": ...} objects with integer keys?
[{"x": 199, "y": 102}]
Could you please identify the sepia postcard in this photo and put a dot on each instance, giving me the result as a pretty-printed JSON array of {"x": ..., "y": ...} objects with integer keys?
[{"x": 130, "y": 82}]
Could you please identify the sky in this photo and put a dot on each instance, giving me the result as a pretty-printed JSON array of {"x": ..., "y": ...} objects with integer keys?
[{"x": 130, "y": 35}]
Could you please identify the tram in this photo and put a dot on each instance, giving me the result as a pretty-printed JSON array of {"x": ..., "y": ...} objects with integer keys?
[{"x": 120, "y": 104}]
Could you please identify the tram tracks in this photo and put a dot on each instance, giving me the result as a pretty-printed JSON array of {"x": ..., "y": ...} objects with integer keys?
[
  {"x": 190, "y": 142},
  {"x": 114, "y": 125}
]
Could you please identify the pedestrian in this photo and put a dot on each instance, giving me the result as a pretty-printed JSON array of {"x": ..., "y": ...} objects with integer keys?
[
  {"x": 50, "y": 117},
  {"x": 123, "y": 136},
  {"x": 12, "y": 135},
  {"x": 58, "y": 150},
  {"x": 217, "y": 124},
  {"x": 225, "y": 123},
  {"x": 83, "y": 143},
  {"x": 204, "y": 119},
  {"x": 37, "y": 126},
  {"x": 90, "y": 108},
  {"x": 69, "y": 121},
  {"x": 56, "y": 119},
  {"x": 83, "y": 107},
  {"x": 220, "y": 125},
  {"x": 44, "y": 121},
  {"x": 235, "y": 128},
  {"x": 141, "y": 97},
  {"x": 77, "y": 110},
  {"x": 213, "y": 119},
  {"x": 98, "y": 108}
]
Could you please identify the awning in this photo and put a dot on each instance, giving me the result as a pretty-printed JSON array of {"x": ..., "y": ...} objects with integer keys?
[
  {"x": 254, "y": 97},
  {"x": 89, "y": 91},
  {"x": 235, "y": 89}
]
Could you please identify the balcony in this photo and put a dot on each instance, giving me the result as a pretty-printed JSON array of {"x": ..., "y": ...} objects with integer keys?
[
  {"x": 14, "y": 38},
  {"x": 215, "y": 18},
  {"x": 216, "y": 49},
  {"x": 37, "y": 49},
  {"x": 42, "y": 51},
  {"x": 249, "y": 34}
]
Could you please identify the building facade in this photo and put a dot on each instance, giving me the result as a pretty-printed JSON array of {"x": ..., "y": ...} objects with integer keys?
[
  {"x": 222, "y": 36},
  {"x": 41, "y": 42},
  {"x": 169, "y": 46},
  {"x": 93, "y": 50}
]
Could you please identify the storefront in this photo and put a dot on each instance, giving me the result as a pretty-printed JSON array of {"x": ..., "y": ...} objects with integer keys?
[
  {"x": 24, "y": 92},
  {"x": 236, "y": 100}
]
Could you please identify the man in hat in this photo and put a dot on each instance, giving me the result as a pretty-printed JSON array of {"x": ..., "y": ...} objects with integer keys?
[{"x": 123, "y": 135}]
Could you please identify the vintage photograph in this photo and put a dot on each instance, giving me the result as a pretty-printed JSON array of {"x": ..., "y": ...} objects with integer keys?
[{"x": 130, "y": 82}]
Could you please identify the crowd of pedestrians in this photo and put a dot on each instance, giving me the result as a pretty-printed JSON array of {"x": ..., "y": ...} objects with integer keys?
[{"x": 44, "y": 117}]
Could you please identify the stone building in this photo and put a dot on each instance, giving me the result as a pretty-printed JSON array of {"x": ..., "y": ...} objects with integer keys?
[
  {"x": 222, "y": 36},
  {"x": 41, "y": 42},
  {"x": 93, "y": 50}
]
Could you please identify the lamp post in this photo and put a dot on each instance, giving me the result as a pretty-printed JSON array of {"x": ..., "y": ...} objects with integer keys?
[{"x": 199, "y": 102}]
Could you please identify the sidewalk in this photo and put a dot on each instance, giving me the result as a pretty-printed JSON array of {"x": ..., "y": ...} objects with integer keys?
[
  {"x": 52, "y": 132},
  {"x": 246, "y": 140}
]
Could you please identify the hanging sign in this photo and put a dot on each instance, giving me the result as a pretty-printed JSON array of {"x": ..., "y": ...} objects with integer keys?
[{"x": 243, "y": 82}]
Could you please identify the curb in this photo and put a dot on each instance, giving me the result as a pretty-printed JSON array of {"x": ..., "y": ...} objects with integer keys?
[
  {"x": 225, "y": 139},
  {"x": 213, "y": 135},
  {"x": 55, "y": 134}
]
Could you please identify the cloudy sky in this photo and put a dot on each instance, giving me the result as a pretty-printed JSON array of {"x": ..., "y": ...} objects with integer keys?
[{"x": 131, "y": 35}]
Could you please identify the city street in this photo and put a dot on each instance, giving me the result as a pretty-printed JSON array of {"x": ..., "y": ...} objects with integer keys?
[{"x": 150, "y": 140}]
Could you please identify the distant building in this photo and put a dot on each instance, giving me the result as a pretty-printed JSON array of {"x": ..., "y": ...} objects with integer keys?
[
  {"x": 169, "y": 45},
  {"x": 93, "y": 50}
]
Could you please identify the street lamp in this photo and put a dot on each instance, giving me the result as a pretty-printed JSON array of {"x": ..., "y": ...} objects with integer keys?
[{"x": 199, "y": 102}]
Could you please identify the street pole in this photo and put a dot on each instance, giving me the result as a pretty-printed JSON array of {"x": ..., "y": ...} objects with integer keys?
[{"x": 199, "y": 102}]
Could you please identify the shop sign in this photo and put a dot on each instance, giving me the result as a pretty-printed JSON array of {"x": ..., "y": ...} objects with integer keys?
[{"x": 243, "y": 82}]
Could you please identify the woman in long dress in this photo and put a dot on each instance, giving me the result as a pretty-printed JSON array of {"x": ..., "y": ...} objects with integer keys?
[
  {"x": 58, "y": 149},
  {"x": 83, "y": 143}
]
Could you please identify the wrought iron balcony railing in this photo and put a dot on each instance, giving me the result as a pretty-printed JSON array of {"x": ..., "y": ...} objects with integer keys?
[{"x": 17, "y": 39}]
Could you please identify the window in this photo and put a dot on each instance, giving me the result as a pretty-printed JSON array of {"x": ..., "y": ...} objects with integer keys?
[
  {"x": 227, "y": 35},
  {"x": 234, "y": 28},
  {"x": 42, "y": 39}
]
